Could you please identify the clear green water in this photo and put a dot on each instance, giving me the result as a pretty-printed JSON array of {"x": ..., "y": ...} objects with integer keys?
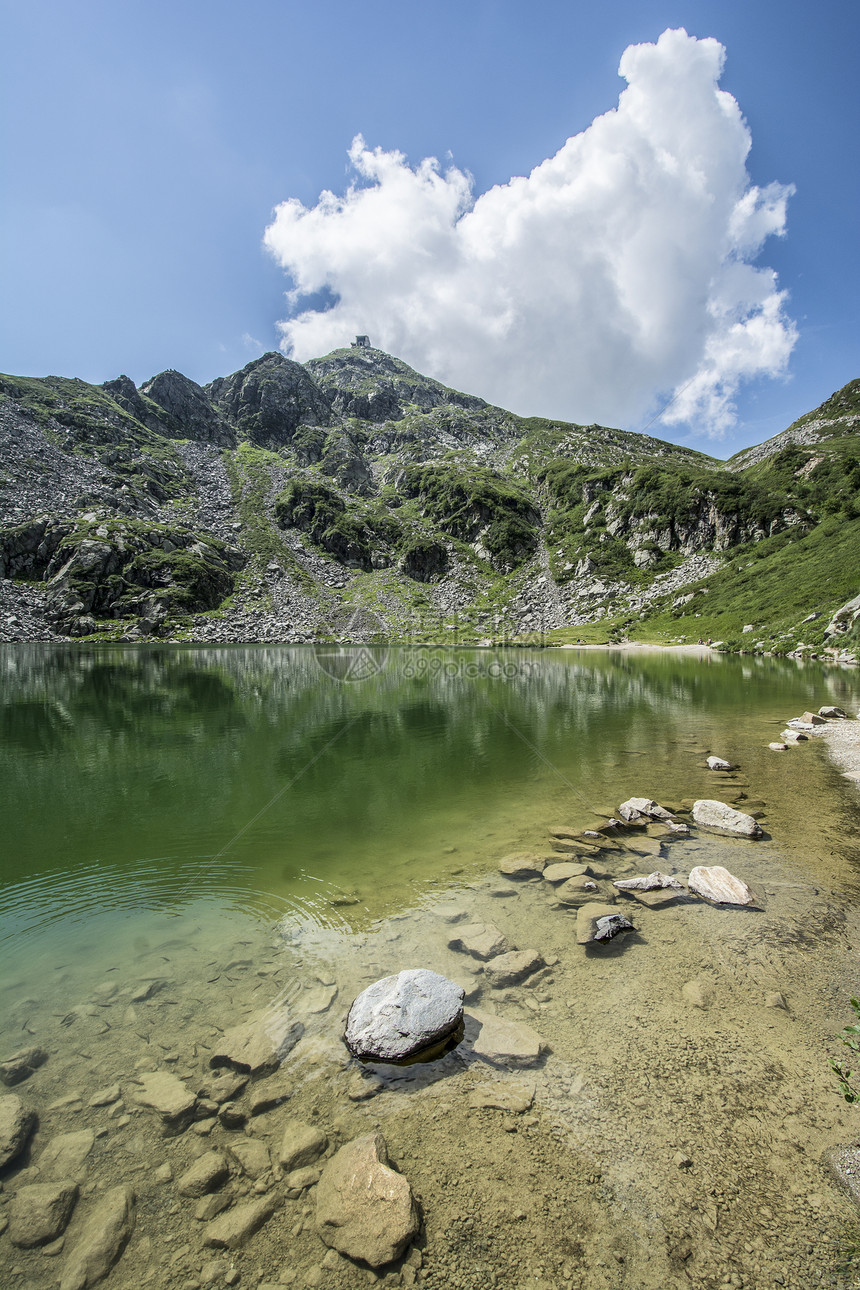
[
  {"x": 252, "y": 827},
  {"x": 251, "y": 781}
]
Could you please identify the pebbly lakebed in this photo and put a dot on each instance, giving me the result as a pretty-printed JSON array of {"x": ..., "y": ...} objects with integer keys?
[{"x": 195, "y": 839}]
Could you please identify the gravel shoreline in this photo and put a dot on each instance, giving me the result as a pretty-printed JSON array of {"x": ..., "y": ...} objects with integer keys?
[{"x": 843, "y": 744}]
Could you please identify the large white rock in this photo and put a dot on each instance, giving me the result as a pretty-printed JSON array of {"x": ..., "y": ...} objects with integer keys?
[
  {"x": 717, "y": 815},
  {"x": 719, "y": 763},
  {"x": 365, "y": 1209},
  {"x": 717, "y": 884},
  {"x": 402, "y": 1015}
]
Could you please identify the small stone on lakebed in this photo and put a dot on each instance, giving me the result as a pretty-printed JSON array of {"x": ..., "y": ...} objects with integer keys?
[{"x": 401, "y": 1016}]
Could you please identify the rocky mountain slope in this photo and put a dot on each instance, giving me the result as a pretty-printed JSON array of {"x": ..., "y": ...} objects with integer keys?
[{"x": 353, "y": 497}]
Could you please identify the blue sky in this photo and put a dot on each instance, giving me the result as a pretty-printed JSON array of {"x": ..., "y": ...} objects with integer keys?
[{"x": 146, "y": 147}]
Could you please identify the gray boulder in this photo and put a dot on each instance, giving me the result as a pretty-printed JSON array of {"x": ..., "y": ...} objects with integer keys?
[
  {"x": 636, "y": 807},
  {"x": 717, "y": 815},
  {"x": 403, "y": 1015},
  {"x": 365, "y": 1209},
  {"x": 647, "y": 882},
  {"x": 793, "y": 737}
]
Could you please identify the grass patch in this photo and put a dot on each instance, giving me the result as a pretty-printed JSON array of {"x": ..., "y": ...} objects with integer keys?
[{"x": 248, "y": 473}]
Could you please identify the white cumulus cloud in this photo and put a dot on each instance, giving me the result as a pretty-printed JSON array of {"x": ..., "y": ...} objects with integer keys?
[{"x": 617, "y": 275}]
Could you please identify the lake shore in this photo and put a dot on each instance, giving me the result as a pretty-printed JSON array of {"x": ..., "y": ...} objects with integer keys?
[
  {"x": 843, "y": 744},
  {"x": 639, "y": 647}
]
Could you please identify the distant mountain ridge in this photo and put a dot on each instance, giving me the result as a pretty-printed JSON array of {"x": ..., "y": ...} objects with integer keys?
[{"x": 289, "y": 496}]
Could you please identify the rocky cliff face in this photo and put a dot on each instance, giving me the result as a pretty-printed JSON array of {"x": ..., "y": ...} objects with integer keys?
[{"x": 283, "y": 497}]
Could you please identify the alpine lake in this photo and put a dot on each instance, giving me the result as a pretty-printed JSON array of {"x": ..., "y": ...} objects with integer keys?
[{"x": 194, "y": 836}]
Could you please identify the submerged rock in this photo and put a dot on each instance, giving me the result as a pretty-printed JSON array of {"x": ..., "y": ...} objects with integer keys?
[
  {"x": 698, "y": 994},
  {"x": 577, "y": 891},
  {"x": 20, "y": 1066},
  {"x": 251, "y": 1155},
  {"x": 209, "y": 1172},
  {"x": 555, "y": 873},
  {"x": 499, "y": 1041},
  {"x": 522, "y": 864},
  {"x": 41, "y": 1212},
  {"x": 17, "y": 1122},
  {"x": 717, "y": 815},
  {"x": 778, "y": 747},
  {"x": 365, "y": 1209},
  {"x": 302, "y": 1144},
  {"x": 509, "y": 969},
  {"x": 65, "y": 1155},
  {"x": 503, "y": 1095},
  {"x": 260, "y": 1045},
  {"x": 600, "y": 923},
  {"x": 101, "y": 1241},
  {"x": 233, "y": 1228},
  {"x": 225, "y": 1086},
  {"x": 717, "y": 884},
  {"x": 481, "y": 940},
  {"x": 401, "y": 1016},
  {"x": 166, "y": 1094},
  {"x": 843, "y": 1164}
]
